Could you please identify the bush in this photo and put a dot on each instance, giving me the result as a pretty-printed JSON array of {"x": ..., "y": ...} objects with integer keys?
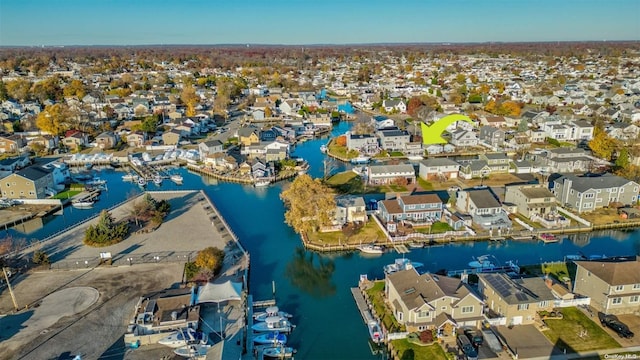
[
  {"x": 426, "y": 336},
  {"x": 40, "y": 258},
  {"x": 190, "y": 270},
  {"x": 106, "y": 232}
]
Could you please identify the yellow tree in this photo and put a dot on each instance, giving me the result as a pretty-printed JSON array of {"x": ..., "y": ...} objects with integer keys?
[
  {"x": 510, "y": 108},
  {"x": 75, "y": 88},
  {"x": 210, "y": 259},
  {"x": 190, "y": 99},
  {"x": 18, "y": 89},
  {"x": 54, "y": 119},
  {"x": 310, "y": 204},
  {"x": 602, "y": 145}
]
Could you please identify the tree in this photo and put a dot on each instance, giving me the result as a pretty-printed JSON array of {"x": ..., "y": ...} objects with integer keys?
[
  {"x": 18, "y": 89},
  {"x": 210, "y": 258},
  {"x": 48, "y": 89},
  {"x": 54, "y": 119},
  {"x": 602, "y": 144},
  {"x": 310, "y": 204},
  {"x": 40, "y": 258},
  {"x": 623, "y": 159},
  {"x": 413, "y": 104},
  {"x": 106, "y": 232},
  {"x": 190, "y": 99},
  {"x": 3, "y": 91},
  {"x": 75, "y": 88},
  {"x": 149, "y": 124}
]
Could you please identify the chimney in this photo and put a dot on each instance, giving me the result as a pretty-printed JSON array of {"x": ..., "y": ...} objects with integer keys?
[{"x": 548, "y": 281}]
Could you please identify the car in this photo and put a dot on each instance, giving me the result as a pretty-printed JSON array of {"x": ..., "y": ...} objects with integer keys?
[
  {"x": 616, "y": 325},
  {"x": 475, "y": 337},
  {"x": 470, "y": 353}
]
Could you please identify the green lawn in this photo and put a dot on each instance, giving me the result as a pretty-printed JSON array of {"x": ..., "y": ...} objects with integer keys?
[
  {"x": 410, "y": 351},
  {"x": 67, "y": 194},
  {"x": 349, "y": 182},
  {"x": 436, "y": 228},
  {"x": 376, "y": 294},
  {"x": 341, "y": 151},
  {"x": 341, "y": 178},
  {"x": 369, "y": 233},
  {"x": 424, "y": 184},
  {"x": 559, "y": 269},
  {"x": 565, "y": 332}
]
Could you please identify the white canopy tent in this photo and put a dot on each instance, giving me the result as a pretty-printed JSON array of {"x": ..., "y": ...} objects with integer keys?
[{"x": 214, "y": 293}]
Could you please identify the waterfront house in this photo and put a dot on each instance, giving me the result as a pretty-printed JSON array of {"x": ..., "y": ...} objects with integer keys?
[
  {"x": 587, "y": 193},
  {"x": 107, "y": 140},
  {"x": 261, "y": 170},
  {"x": 474, "y": 169},
  {"x": 171, "y": 137},
  {"x": 463, "y": 138},
  {"x": 382, "y": 122},
  {"x": 75, "y": 139},
  {"x": 390, "y": 174},
  {"x": 492, "y": 136},
  {"x": 136, "y": 139},
  {"x": 426, "y": 209},
  {"x": 484, "y": 208},
  {"x": 432, "y": 302},
  {"x": 531, "y": 199},
  {"x": 220, "y": 162},
  {"x": 32, "y": 182},
  {"x": 516, "y": 301},
  {"x": 394, "y": 140},
  {"x": 440, "y": 169},
  {"x": 349, "y": 209},
  {"x": 613, "y": 285},
  {"x": 497, "y": 162},
  {"x": 248, "y": 135},
  {"x": 210, "y": 147},
  {"x": 365, "y": 143}
]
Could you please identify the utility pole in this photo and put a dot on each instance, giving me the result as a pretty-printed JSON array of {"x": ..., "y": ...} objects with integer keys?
[{"x": 13, "y": 297}]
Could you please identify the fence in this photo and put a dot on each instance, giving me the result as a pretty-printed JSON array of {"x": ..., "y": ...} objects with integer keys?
[
  {"x": 572, "y": 302},
  {"x": 126, "y": 259}
]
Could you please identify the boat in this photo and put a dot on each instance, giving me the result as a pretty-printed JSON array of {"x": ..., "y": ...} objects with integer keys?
[
  {"x": 96, "y": 181},
  {"x": 190, "y": 351},
  {"x": 278, "y": 352},
  {"x": 273, "y": 323},
  {"x": 271, "y": 311},
  {"x": 269, "y": 338},
  {"x": 83, "y": 204},
  {"x": 576, "y": 257},
  {"x": 183, "y": 337},
  {"x": 416, "y": 245},
  {"x": 482, "y": 262},
  {"x": 157, "y": 180},
  {"x": 548, "y": 238},
  {"x": 360, "y": 160},
  {"x": 323, "y": 149},
  {"x": 375, "y": 332},
  {"x": 142, "y": 182},
  {"x": 129, "y": 177},
  {"x": 176, "y": 178},
  {"x": 261, "y": 183},
  {"x": 88, "y": 165},
  {"x": 400, "y": 265},
  {"x": 371, "y": 249}
]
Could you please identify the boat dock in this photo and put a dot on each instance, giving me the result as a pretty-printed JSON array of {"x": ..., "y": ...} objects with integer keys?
[
  {"x": 401, "y": 248},
  {"x": 361, "y": 303}
]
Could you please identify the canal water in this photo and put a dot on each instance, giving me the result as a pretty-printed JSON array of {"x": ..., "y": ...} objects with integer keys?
[{"x": 315, "y": 287}]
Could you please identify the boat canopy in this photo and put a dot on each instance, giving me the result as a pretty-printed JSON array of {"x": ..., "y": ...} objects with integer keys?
[{"x": 214, "y": 293}]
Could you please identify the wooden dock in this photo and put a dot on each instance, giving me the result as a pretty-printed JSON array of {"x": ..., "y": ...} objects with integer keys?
[
  {"x": 361, "y": 303},
  {"x": 264, "y": 303},
  {"x": 401, "y": 248}
]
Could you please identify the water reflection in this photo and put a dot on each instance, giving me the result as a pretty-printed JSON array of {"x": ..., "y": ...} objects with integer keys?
[{"x": 311, "y": 273}]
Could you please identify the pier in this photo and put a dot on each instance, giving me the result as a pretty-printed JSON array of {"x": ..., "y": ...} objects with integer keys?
[{"x": 361, "y": 303}]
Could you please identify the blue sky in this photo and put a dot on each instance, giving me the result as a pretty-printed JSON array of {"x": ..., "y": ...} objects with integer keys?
[{"x": 140, "y": 22}]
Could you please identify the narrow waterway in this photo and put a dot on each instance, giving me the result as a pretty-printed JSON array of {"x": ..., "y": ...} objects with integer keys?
[{"x": 315, "y": 287}]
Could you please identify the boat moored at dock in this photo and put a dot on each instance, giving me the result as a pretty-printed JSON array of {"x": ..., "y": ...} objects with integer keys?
[{"x": 273, "y": 323}]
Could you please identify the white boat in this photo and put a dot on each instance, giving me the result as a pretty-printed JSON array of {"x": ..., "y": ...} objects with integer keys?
[
  {"x": 96, "y": 181},
  {"x": 271, "y": 311},
  {"x": 129, "y": 177},
  {"x": 262, "y": 183},
  {"x": 375, "y": 332},
  {"x": 157, "y": 180},
  {"x": 400, "y": 265},
  {"x": 271, "y": 338},
  {"x": 83, "y": 204},
  {"x": 360, "y": 160},
  {"x": 142, "y": 182},
  {"x": 176, "y": 178},
  {"x": 371, "y": 249},
  {"x": 273, "y": 323},
  {"x": 482, "y": 262},
  {"x": 192, "y": 350},
  {"x": 278, "y": 352},
  {"x": 183, "y": 337},
  {"x": 323, "y": 148}
]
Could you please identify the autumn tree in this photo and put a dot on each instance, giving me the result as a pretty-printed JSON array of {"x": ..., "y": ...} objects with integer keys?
[
  {"x": 310, "y": 204},
  {"x": 602, "y": 145},
  {"x": 48, "y": 89},
  {"x": 190, "y": 99},
  {"x": 3, "y": 91},
  {"x": 413, "y": 104},
  {"x": 75, "y": 88},
  {"x": 18, "y": 89},
  {"x": 54, "y": 119},
  {"x": 622, "y": 161},
  {"x": 210, "y": 259}
]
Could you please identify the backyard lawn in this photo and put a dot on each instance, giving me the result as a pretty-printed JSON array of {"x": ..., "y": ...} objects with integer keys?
[
  {"x": 67, "y": 194},
  {"x": 376, "y": 295},
  {"x": 410, "y": 351},
  {"x": 577, "y": 332},
  {"x": 369, "y": 233},
  {"x": 436, "y": 228}
]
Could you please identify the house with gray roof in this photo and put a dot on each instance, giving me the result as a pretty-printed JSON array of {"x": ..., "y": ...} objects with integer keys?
[
  {"x": 492, "y": 136},
  {"x": 424, "y": 208},
  {"x": 33, "y": 182},
  {"x": 567, "y": 160},
  {"x": 388, "y": 174},
  {"x": 349, "y": 209},
  {"x": 210, "y": 147},
  {"x": 515, "y": 300},
  {"x": 587, "y": 193},
  {"x": 474, "y": 169},
  {"x": 432, "y": 302},
  {"x": 438, "y": 169},
  {"x": 394, "y": 140},
  {"x": 365, "y": 143},
  {"x": 613, "y": 285},
  {"x": 531, "y": 199},
  {"x": 464, "y": 138},
  {"x": 484, "y": 208}
]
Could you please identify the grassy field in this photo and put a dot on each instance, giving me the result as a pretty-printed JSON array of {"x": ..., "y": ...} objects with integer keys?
[
  {"x": 410, "y": 351},
  {"x": 577, "y": 332},
  {"x": 436, "y": 228},
  {"x": 341, "y": 151},
  {"x": 424, "y": 184},
  {"x": 67, "y": 194},
  {"x": 369, "y": 233}
]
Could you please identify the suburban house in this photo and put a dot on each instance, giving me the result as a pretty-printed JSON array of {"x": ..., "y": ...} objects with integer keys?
[
  {"x": 587, "y": 193},
  {"x": 107, "y": 140},
  {"x": 261, "y": 170},
  {"x": 171, "y": 137},
  {"x": 47, "y": 142},
  {"x": 564, "y": 160},
  {"x": 613, "y": 285},
  {"x": 365, "y": 143},
  {"x": 248, "y": 136},
  {"x": 349, "y": 209},
  {"x": 494, "y": 121},
  {"x": 382, "y": 122},
  {"x": 492, "y": 135},
  {"x": 441, "y": 169},
  {"x": 426, "y": 208},
  {"x": 210, "y": 147},
  {"x": 389, "y": 174},
  {"x": 623, "y": 131},
  {"x": 497, "y": 162},
  {"x": 569, "y": 131},
  {"x": 220, "y": 161},
  {"x": 432, "y": 302},
  {"x": 484, "y": 208},
  {"x": 136, "y": 139},
  {"x": 516, "y": 300},
  {"x": 394, "y": 140},
  {"x": 33, "y": 182},
  {"x": 396, "y": 105},
  {"x": 463, "y": 138},
  {"x": 474, "y": 169},
  {"x": 12, "y": 164},
  {"x": 75, "y": 139},
  {"x": 531, "y": 199}
]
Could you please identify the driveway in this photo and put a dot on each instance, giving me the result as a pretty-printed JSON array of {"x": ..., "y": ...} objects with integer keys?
[
  {"x": 633, "y": 322},
  {"x": 527, "y": 341}
]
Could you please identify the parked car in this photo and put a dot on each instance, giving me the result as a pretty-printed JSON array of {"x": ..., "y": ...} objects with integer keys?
[
  {"x": 454, "y": 189},
  {"x": 475, "y": 337},
  {"x": 467, "y": 348},
  {"x": 616, "y": 325}
]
